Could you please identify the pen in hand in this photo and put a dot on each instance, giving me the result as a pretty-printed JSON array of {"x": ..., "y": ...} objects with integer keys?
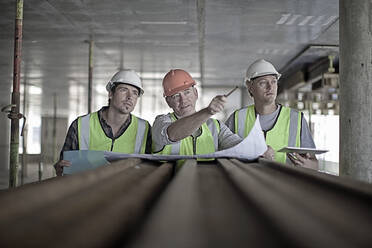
[{"x": 231, "y": 91}]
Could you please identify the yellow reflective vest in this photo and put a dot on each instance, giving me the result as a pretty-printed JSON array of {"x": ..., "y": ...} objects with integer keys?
[
  {"x": 285, "y": 132},
  {"x": 92, "y": 136},
  {"x": 206, "y": 142}
]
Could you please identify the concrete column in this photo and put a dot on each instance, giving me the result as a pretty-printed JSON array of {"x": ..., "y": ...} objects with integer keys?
[{"x": 356, "y": 89}]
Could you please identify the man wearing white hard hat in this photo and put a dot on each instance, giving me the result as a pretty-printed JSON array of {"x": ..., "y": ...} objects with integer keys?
[
  {"x": 281, "y": 125},
  {"x": 113, "y": 127}
]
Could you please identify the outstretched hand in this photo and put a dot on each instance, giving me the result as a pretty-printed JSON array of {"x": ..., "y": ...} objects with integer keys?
[{"x": 217, "y": 104}]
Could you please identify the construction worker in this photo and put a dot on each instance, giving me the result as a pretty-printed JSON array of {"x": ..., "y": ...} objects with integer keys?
[
  {"x": 113, "y": 127},
  {"x": 282, "y": 126},
  {"x": 187, "y": 131}
]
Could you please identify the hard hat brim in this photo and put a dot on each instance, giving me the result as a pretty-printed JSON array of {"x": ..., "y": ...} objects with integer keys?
[
  {"x": 110, "y": 85},
  {"x": 178, "y": 89},
  {"x": 278, "y": 75}
]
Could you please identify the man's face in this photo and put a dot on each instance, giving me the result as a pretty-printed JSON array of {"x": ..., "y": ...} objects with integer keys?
[
  {"x": 183, "y": 102},
  {"x": 264, "y": 89},
  {"x": 124, "y": 99}
]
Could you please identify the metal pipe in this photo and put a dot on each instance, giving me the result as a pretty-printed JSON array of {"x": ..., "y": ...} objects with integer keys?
[
  {"x": 14, "y": 114},
  {"x": 359, "y": 189},
  {"x": 55, "y": 189},
  {"x": 291, "y": 61},
  {"x": 96, "y": 215},
  {"x": 280, "y": 195},
  {"x": 54, "y": 150},
  {"x": 141, "y": 98},
  {"x": 200, "y": 6},
  {"x": 310, "y": 115},
  {"x": 24, "y": 170},
  {"x": 211, "y": 204},
  {"x": 121, "y": 66},
  {"x": 90, "y": 76},
  {"x": 208, "y": 213},
  {"x": 41, "y": 168},
  {"x": 78, "y": 97}
]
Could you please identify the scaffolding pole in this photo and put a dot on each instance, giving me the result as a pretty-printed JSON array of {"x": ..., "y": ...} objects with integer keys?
[
  {"x": 14, "y": 114},
  {"x": 90, "y": 76},
  {"x": 24, "y": 169},
  {"x": 55, "y": 128}
]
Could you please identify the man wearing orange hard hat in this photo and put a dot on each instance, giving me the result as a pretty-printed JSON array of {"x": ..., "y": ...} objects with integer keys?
[{"x": 186, "y": 131}]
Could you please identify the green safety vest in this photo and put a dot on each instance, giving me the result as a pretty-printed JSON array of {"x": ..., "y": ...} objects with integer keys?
[
  {"x": 92, "y": 136},
  {"x": 206, "y": 143},
  {"x": 286, "y": 130}
]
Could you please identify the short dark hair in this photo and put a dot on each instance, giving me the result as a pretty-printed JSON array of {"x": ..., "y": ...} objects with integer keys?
[{"x": 113, "y": 89}]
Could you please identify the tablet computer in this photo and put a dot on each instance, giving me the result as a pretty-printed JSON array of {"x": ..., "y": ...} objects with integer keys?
[{"x": 300, "y": 150}]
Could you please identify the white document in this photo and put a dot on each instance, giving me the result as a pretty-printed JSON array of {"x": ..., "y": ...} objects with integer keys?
[{"x": 250, "y": 148}]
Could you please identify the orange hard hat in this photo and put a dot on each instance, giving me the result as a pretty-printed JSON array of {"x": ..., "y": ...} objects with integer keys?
[{"x": 175, "y": 81}]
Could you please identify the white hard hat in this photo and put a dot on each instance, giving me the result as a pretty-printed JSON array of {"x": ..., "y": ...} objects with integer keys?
[
  {"x": 126, "y": 76},
  {"x": 261, "y": 68}
]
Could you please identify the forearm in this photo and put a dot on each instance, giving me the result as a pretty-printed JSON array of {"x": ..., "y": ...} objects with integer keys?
[{"x": 186, "y": 126}]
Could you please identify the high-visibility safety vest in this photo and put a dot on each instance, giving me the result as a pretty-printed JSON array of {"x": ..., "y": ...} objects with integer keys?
[
  {"x": 206, "y": 142},
  {"x": 285, "y": 132},
  {"x": 92, "y": 136}
]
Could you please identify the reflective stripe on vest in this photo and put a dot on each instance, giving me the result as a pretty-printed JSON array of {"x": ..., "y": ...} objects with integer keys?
[
  {"x": 92, "y": 136},
  {"x": 206, "y": 143},
  {"x": 286, "y": 131}
]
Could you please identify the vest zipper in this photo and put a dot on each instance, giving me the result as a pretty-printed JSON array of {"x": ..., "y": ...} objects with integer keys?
[
  {"x": 194, "y": 140},
  {"x": 112, "y": 144},
  {"x": 194, "y": 145},
  {"x": 265, "y": 133}
]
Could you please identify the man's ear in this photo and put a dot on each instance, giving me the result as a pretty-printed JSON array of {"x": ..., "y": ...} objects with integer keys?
[
  {"x": 249, "y": 86},
  {"x": 167, "y": 100}
]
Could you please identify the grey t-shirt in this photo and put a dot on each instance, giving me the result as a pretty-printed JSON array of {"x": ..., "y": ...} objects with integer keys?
[{"x": 267, "y": 122}]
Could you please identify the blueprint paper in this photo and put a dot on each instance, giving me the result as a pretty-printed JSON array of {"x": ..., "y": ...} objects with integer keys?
[
  {"x": 250, "y": 148},
  {"x": 82, "y": 160}
]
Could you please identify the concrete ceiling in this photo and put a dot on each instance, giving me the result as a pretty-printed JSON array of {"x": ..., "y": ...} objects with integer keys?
[{"x": 215, "y": 40}]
